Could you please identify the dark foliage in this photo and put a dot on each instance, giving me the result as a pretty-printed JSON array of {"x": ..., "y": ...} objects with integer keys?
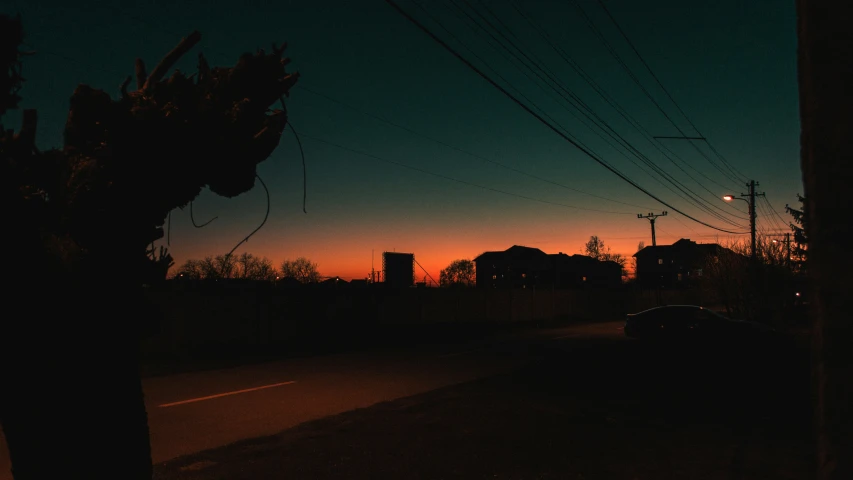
[{"x": 84, "y": 217}]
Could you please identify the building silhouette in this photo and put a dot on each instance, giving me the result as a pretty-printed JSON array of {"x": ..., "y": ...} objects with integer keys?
[
  {"x": 525, "y": 267},
  {"x": 398, "y": 269},
  {"x": 679, "y": 264}
]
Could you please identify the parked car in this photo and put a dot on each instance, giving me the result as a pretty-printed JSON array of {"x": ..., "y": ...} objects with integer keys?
[{"x": 694, "y": 323}]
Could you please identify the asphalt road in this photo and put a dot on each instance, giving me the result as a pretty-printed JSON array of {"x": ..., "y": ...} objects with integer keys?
[
  {"x": 587, "y": 405},
  {"x": 197, "y": 411}
]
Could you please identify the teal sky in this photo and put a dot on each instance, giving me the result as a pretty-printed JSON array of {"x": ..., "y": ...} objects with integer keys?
[{"x": 730, "y": 65}]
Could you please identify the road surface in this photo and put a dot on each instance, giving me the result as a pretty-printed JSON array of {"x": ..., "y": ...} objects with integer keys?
[{"x": 192, "y": 412}]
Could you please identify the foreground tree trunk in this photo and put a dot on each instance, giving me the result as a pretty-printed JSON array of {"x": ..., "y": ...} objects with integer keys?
[
  {"x": 79, "y": 223},
  {"x": 72, "y": 402},
  {"x": 825, "y": 61}
]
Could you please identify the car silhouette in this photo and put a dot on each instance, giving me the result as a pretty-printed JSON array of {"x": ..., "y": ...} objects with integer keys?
[{"x": 693, "y": 323}]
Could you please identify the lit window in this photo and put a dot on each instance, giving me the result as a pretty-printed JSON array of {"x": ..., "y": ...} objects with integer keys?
[
  {"x": 679, "y": 277},
  {"x": 523, "y": 275},
  {"x": 660, "y": 261},
  {"x": 494, "y": 277},
  {"x": 699, "y": 272},
  {"x": 584, "y": 278}
]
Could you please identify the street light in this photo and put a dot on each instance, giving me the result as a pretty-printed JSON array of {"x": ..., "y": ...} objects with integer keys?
[{"x": 729, "y": 198}]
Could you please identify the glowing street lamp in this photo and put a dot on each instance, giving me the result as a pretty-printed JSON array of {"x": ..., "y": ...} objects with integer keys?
[{"x": 729, "y": 198}]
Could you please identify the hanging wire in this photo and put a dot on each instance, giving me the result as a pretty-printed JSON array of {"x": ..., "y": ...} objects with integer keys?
[
  {"x": 304, "y": 170},
  {"x": 301, "y": 152},
  {"x": 266, "y": 216},
  {"x": 193, "y": 218}
]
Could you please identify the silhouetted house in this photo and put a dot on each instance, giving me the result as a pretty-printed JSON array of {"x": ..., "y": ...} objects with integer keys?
[
  {"x": 517, "y": 266},
  {"x": 523, "y": 267},
  {"x": 358, "y": 282},
  {"x": 288, "y": 282},
  {"x": 577, "y": 271},
  {"x": 334, "y": 282},
  {"x": 679, "y": 264}
]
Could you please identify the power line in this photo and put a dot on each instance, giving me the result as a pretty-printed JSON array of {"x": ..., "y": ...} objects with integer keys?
[
  {"x": 639, "y": 84},
  {"x": 660, "y": 84},
  {"x": 637, "y": 81},
  {"x": 765, "y": 221},
  {"x": 776, "y": 220},
  {"x": 576, "y": 145},
  {"x": 396, "y": 125},
  {"x": 421, "y": 170},
  {"x": 613, "y": 135},
  {"x": 575, "y": 101},
  {"x": 776, "y": 213},
  {"x": 685, "y": 225},
  {"x": 528, "y": 109},
  {"x": 458, "y": 149},
  {"x": 453, "y": 179},
  {"x": 663, "y": 149}
]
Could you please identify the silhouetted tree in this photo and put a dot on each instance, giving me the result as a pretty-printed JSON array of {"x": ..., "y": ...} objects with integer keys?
[
  {"x": 244, "y": 267},
  {"x": 633, "y": 261},
  {"x": 250, "y": 267},
  {"x": 208, "y": 268},
  {"x": 762, "y": 293},
  {"x": 191, "y": 270},
  {"x": 799, "y": 250},
  {"x": 84, "y": 218},
  {"x": 458, "y": 273},
  {"x": 596, "y": 249},
  {"x": 727, "y": 278},
  {"x": 301, "y": 269}
]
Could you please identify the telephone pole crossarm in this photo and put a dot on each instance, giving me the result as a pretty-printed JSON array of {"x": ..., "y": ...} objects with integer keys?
[{"x": 651, "y": 217}]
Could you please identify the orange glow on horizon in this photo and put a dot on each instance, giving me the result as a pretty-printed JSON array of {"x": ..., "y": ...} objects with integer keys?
[{"x": 355, "y": 263}]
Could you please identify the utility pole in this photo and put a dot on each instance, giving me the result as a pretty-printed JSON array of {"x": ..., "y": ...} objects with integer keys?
[
  {"x": 751, "y": 196},
  {"x": 750, "y": 199},
  {"x": 752, "y": 216},
  {"x": 652, "y": 217}
]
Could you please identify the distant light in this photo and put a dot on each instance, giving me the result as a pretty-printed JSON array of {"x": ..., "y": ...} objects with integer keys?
[
  {"x": 728, "y": 198},
  {"x": 775, "y": 241},
  {"x": 797, "y": 294}
]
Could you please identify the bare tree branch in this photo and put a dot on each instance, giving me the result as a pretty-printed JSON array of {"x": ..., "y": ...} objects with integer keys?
[
  {"x": 139, "y": 71},
  {"x": 171, "y": 58}
]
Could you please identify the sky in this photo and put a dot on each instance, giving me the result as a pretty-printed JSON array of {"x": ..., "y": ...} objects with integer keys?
[{"x": 408, "y": 149}]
